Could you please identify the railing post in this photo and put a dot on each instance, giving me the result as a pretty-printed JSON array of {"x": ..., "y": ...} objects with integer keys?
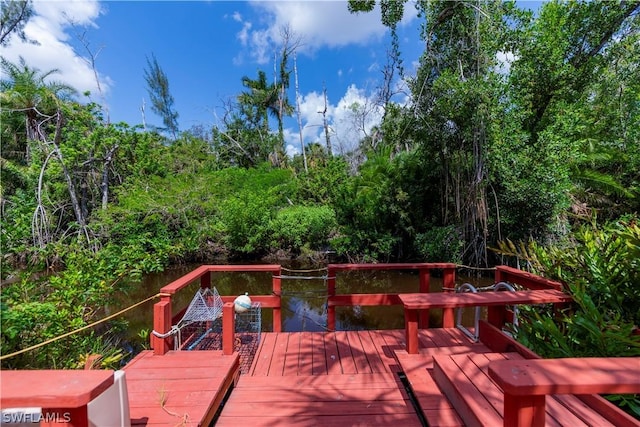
[
  {"x": 524, "y": 411},
  {"x": 425, "y": 278},
  {"x": 228, "y": 328},
  {"x": 497, "y": 315},
  {"x": 448, "y": 284},
  {"x": 205, "y": 280},
  {"x": 411, "y": 330},
  {"x": 162, "y": 325},
  {"x": 277, "y": 291},
  {"x": 331, "y": 292}
]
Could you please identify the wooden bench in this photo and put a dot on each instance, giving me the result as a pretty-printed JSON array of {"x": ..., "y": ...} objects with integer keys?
[
  {"x": 526, "y": 383},
  {"x": 413, "y": 303},
  {"x": 63, "y": 395}
]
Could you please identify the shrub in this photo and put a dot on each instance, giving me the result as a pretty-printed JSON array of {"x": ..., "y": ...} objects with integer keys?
[{"x": 295, "y": 227}]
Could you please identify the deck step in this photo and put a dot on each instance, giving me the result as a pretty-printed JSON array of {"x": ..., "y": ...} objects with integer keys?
[
  {"x": 480, "y": 402},
  {"x": 377, "y": 399}
]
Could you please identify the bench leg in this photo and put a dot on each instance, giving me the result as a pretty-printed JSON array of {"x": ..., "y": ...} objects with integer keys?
[
  {"x": 524, "y": 411},
  {"x": 411, "y": 330}
]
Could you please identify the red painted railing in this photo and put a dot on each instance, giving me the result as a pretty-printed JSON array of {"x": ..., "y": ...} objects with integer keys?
[
  {"x": 164, "y": 318},
  {"x": 424, "y": 272}
]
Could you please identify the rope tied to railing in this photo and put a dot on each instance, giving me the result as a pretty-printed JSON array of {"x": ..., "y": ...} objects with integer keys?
[
  {"x": 301, "y": 277},
  {"x": 84, "y": 328},
  {"x": 289, "y": 270}
]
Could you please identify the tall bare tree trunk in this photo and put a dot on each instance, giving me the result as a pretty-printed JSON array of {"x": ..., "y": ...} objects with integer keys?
[
  {"x": 77, "y": 209},
  {"x": 104, "y": 186},
  {"x": 295, "y": 73},
  {"x": 325, "y": 123}
]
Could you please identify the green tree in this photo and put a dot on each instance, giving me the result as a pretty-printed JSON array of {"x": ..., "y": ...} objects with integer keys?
[
  {"x": 28, "y": 97},
  {"x": 14, "y": 16},
  {"x": 161, "y": 98}
]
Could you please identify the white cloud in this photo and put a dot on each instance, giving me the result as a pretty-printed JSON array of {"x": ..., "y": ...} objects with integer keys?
[
  {"x": 318, "y": 23},
  {"x": 350, "y": 120},
  {"x": 51, "y": 26},
  {"x": 504, "y": 59},
  {"x": 237, "y": 16},
  {"x": 243, "y": 35}
]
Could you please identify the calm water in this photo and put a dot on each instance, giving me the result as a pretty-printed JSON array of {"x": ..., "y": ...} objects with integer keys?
[{"x": 303, "y": 302}]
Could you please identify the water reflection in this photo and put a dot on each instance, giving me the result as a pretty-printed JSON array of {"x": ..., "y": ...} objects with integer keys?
[{"x": 304, "y": 300}]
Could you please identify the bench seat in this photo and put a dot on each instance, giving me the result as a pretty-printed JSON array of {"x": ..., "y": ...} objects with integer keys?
[{"x": 449, "y": 300}]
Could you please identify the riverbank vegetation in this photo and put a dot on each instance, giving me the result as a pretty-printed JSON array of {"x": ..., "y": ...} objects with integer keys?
[{"x": 518, "y": 128}]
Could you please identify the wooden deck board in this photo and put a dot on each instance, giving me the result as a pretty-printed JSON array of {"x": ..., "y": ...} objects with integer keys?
[
  {"x": 331, "y": 354},
  {"x": 178, "y": 386},
  {"x": 347, "y": 362},
  {"x": 264, "y": 353},
  {"x": 332, "y": 379},
  {"x": 357, "y": 351},
  {"x": 292, "y": 356},
  {"x": 368, "y": 399},
  {"x": 371, "y": 351},
  {"x": 319, "y": 355},
  {"x": 306, "y": 359},
  {"x": 464, "y": 379}
]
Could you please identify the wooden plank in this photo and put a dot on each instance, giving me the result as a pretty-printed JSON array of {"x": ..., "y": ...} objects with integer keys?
[
  {"x": 327, "y": 394},
  {"x": 392, "y": 266},
  {"x": 470, "y": 403},
  {"x": 331, "y": 354},
  {"x": 418, "y": 301},
  {"x": 357, "y": 351},
  {"x": 373, "y": 357},
  {"x": 174, "y": 374},
  {"x": 155, "y": 386},
  {"x": 347, "y": 362},
  {"x": 499, "y": 342},
  {"x": 383, "y": 420},
  {"x": 434, "y": 405},
  {"x": 581, "y": 410},
  {"x": 458, "y": 337},
  {"x": 201, "y": 358},
  {"x": 167, "y": 416},
  {"x": 306, "y": 360},
  {"x": 526, "y": 279},
  {"x": 52, "y": 388},
  {"x": 586, "y": 375},
  {"x": 608, "y": 410},
  {"x": 171, "y": 398},
  {"x": 385, "y": 351},
  {"x": 557, "y": 415},
  {"x": 319, "y": 354},
  {"x": 264, "y": 354},
  {"x": 279, "y": 354},
  {"x": 180, "y": 386},
  {"x": 320, "y": 381},
  {"x": 292, "y": 355},
  {"x": 362, "y": 406}
]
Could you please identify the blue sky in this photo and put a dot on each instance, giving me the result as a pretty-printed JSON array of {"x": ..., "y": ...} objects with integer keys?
[{"x": 205, "y": 47}]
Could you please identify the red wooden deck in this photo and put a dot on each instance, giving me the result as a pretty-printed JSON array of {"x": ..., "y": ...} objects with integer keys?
[
  {"x": 353, "y": 379},
  {"x": 346, "y": 378},
  {"x": 182, "y": 388}
]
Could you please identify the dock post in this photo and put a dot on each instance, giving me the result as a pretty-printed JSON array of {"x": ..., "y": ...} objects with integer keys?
[
  {"x": 276, "y": 286},
  {"x": 448, "y": 284},
  {"x": 331, "y": 292},
  {"x": 228, "y": 328},
  {"x": 162, "y": 325},
  {"x": 425, "y": 278}
]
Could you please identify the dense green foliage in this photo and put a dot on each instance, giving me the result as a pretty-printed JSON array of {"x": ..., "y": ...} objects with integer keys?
[
  {"x": 601, "y": 268},
  {"x": 487, "y": 149}
]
